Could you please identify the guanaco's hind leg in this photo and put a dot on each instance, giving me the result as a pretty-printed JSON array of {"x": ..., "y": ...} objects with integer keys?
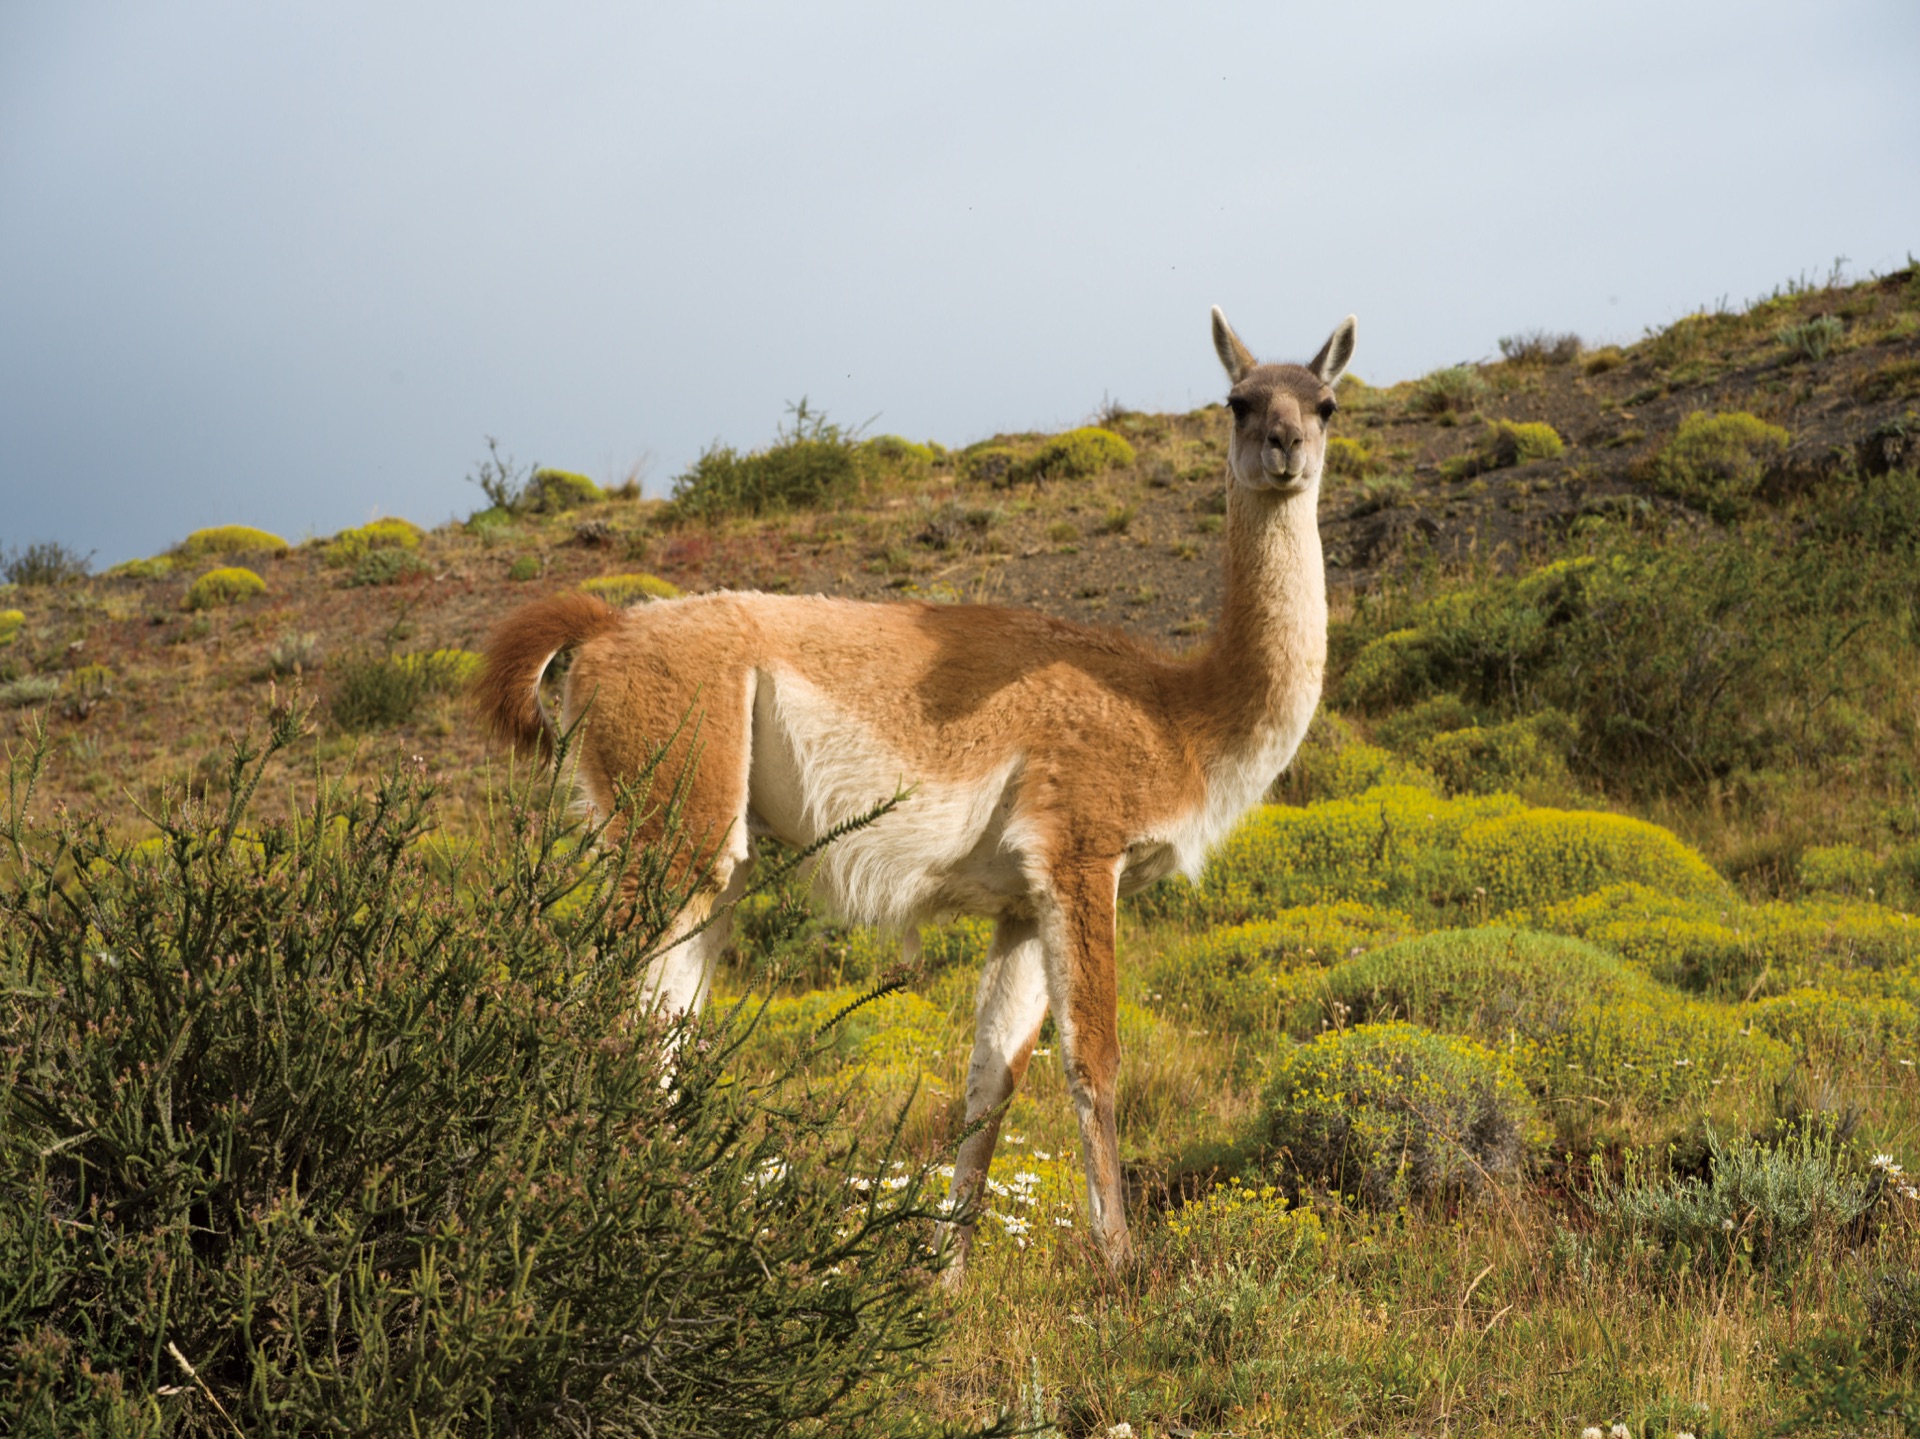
[
  {"x": 1012, "y": 1002},
  {"x": 1077, "y": 928},
  {"x": 679, "y": 977}
]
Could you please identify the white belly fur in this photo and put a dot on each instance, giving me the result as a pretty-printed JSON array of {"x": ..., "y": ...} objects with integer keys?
[{"x": 942, "y": 850}]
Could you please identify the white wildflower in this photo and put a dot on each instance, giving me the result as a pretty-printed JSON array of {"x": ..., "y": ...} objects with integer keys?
[
  {"x": 1026, "y": 1178},
  {"x": 1042, "y": 1155},
  {"x": 1016, "y": 1138},
  {"x": 1593, "y": 1431},
  {"x": 897, "y": 1181},
  {"x": 1122, "y": 1430},
  {"x": 1062, "y": 1222},
  {"x": 859, "y": 1183},
  {"x": 1042, "y": 1053},
  {"x": 1620, "y": 1431}
]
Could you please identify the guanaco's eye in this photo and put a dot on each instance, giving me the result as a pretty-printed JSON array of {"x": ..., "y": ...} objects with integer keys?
[
  {"x": 1239, "y": 407},
  {"x": 1327, "y": 407}
]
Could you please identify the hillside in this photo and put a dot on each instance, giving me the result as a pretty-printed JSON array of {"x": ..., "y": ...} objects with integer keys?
[{"x": 140, "y": 689}]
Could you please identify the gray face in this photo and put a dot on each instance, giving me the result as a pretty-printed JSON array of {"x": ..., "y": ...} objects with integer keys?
[{"x": 1280, "y": 416}]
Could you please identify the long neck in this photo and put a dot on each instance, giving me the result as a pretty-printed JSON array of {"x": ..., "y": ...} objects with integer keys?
[{"x": 1260, "y": 677}]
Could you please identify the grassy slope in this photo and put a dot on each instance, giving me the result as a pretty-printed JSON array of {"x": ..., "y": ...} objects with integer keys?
[{"x": 1485, "y": 1318}]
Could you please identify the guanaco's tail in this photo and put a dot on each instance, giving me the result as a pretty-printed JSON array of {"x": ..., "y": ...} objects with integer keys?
[{"x": 506, "y": 691}]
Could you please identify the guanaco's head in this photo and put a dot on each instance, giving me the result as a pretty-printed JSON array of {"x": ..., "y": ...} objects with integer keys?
[{"x": 1280, "y": 412}]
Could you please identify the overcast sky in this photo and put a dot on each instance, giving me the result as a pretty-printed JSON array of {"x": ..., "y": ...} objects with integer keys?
[{"x": 287, "y": 264}]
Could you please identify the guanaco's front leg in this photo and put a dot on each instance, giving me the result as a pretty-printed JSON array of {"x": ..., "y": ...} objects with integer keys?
[{"x": 1077, "y": 929}]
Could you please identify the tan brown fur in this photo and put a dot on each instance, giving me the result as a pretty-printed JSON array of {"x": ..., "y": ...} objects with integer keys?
[{"x": 1051, "y": 765}]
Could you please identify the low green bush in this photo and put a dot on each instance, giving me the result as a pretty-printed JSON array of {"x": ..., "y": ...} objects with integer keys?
[
  {"x": 1818, "y": 1022},
  {"x": 1455, "y": 390},
  {"x": 524, "y": 568},
  {"x": 386, "y": 567},
  {"x": 1333, "y": 762},
  {"x": 1505, "y": 444},
  {"x": 44, "y": 563},
  {"x": 1578, "y": 1024},
  {"x": 622, "y": 590},
  {"x": 157, "y": 567},
  {"x": 371, "y": 691},
  {"x": 1391, "y": 1113},
  {"x": 28, "y": 690},
  {"x": 811, "y": 462},
  {"x": 1349, "y": 458},
  {"x": 1777, "y": 1204},
  {"x": 229, "y": 540},
  {"x": 1077, "y": 455},
  {"x": 1248, "y": 977},
  {"x": 301, "y": 1139},
  {"x": 1527, "y": 757},
  {"x": 226, "y": 586},
  {"x": 550, "y": 491},
  {"x": 1812, "y": 340},
  {"x": 901, "y": 456},
  {"x": 988, "y": 463},
  {"x": 1715, "y": 463},
  {"x": 350, "y": 547},
  {"x": 1412, "y": 849}
]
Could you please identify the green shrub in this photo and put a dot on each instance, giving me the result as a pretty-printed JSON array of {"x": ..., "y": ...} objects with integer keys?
[
  {"x": 156, "y": 568},
  {"x": 1777, "y": 1203},
  {"x": 1850, "y": 870},
  {"x": 812, "y": 462},
  {"x": 1247, "y": 977},
  {"x": 1715, "y": 463},
  {"x": 1524, "y": 756},
  {"x": 524, "y": 568},
  {"x": 47, "y": 562},
  {"x": 630, "y": 589},
  {"x": 1505, "y": 444},
  {"x": 1455, "y": 390},
  {"x": 350, "y": 547},
  {"x": 1412, "y": 849},
  {"x": 1678, "y": 663},
  {"x": 386, "y": 567},
  {"x": 1390, "y": 1114},
  {"x": 28, "y": 690},
  {"x": 11, "y": 623},
  {"x": 1539, "y": 347},
  {"x": 1726, "y": 948},
  {"x": 1333, "y": 764},
  {"x": 301, "y": 1140},
  {"x": 377, "y": 691},
  {"x": 1076, "y": 455},
  {"x": 988, "y": 463},
  {"x": 1576, "y": 1024},
  {"x": 1411, "y": 726},
  {"x": 551, "y": 491},
  {"x": 1607, "y": 357},
  {"x": 1350, "y": 458},
  {"x": 1843, "y": 1026},
  {"x": 229, "y": 540},
  {"x": 224, "y": 587},
  {"x": 900, "y": 456},
  {"x": 1814, "y": 339}
]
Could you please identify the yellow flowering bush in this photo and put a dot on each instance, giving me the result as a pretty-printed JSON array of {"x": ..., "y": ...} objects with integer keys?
[
  {"x": 1347, "y": 456},
  {"x": 1574, "y": 1021},
  {"x": 551, "y": 491},
  {"x": 1523, "y": 756},
  {"x": 157, "y": 567},
  {"x": 1411, "y": 849},
  {"x": 1715, "y": 463},
  {"x": 445, "y": 670},
  {"x": 1391, "y": 1113},
  {"x": 1506, "y": 443},
  {"x": 11, "y": 623},
  {"x": 622, "y": 590},
  {"x": 224, "y": 587},
  {"x": 1725, "y": 947},
  {"x": 1821, "y": 1022},
  {"x": 899, "y": 1032},
  {"x": 349, "y": 547},
  {"x": 1246, "y": 976},
  {"x": 1077, "y": 455},
  {"x": 1540, "y": 855},
  {"x": 229, "y": 540},
  {"x": 1335, "y": 763},
  {"x": 1238, "y": 1225}
]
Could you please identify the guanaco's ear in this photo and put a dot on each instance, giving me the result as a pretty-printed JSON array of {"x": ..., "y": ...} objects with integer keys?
[
  {"x": 1234, "y": 355},
  {"x": 1331, "y": 363}
]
